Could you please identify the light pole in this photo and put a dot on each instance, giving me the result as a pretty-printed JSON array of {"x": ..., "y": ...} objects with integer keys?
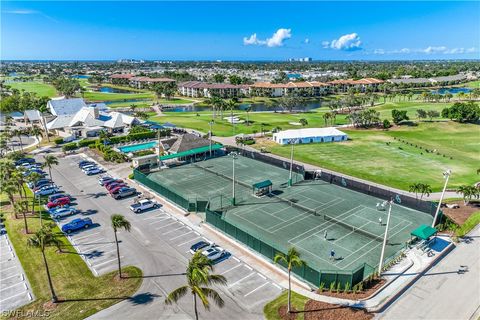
[
  {"x": 385, "y": 237},
  {"x": 446, "y": 175},
  {"x": 292, "y": 142},
  {"x": 234, "y": 156},
  {"x": 210, "y": 137}
]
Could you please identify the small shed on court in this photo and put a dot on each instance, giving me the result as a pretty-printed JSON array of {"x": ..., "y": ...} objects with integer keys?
[{"x": 261, "y": 188}]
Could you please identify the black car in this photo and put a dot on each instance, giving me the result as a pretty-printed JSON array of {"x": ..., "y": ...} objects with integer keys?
[
  {"x": 199, "y": 246},
  {"x": 24, "y": 160},
  {"x": 84, "y": 163}
]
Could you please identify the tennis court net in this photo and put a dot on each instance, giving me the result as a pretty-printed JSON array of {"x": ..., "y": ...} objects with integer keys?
[
  {"x": 246, "y": 185},
  {"x": 354, "y": 229},
  {"x": 296, "y": 205}
]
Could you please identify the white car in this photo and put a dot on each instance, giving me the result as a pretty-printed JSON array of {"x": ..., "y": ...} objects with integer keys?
[
  {"x": 143, "y": 205},
  {"x": 213, "y": 253},
  {"x": 47, "y": 190},
  {"x": 64, "y": 212},
  {"x": 93, "y": 171},
  {"x": 104, "y": 180},
  {"x": 90, "y": 166}
]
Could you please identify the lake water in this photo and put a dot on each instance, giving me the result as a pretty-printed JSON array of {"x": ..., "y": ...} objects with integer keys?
[
  {"x": 255, "y": 107},
  {"x": 451, "y": 90},
  {"x": 126, "y": 101},
  {"x": 80, "y": 76},
  {"x": 114, "y": 90}
]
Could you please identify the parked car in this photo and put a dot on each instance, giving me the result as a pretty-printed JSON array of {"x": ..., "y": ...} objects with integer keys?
[
  {"x": 58, "y": 195},
  {"x": 107, "y": 184},
  {"x": 43, "y": 186},
  {"x": 89, "y": 167},
  {"x": 124, "y": 192},
  {"x": 24, "y": 160},
  {"x": 201, "y": 245},
  {"x": 143, "y": 205},
  {"x": 30, "y": 171},
  {"x": 214, "y": 253},
  {"x": 47, "y": 190},
  {"x": 94, "y": 171},
  {"x": 105, "y": 179},
  {"x": 58, "y": 202},
  {"x": 64, "y": 212},
  {"x": 52, "y": 211},
  {"x": 112, "y": 186},
  {"x": 84, "y": 163},
  {"x": 40, "y": 182},
  {"x": 77, "y": 224}
]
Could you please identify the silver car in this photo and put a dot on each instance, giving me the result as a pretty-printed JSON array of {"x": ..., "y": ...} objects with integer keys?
[{"x": 64, "y": 212}]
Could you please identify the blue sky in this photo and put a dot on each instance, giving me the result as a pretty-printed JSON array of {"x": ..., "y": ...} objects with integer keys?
[{"x": 240, "y": 30}]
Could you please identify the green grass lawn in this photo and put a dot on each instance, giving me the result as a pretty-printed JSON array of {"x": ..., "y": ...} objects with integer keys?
[
  {"x": 410, "y": 106},
  {"x": 473, "y": 84},
  {"x": 270, "y": 311},
  {"x": 38, "y": 87},
  {"x": 139, "y": 104},
  {"x": 471, "y": 222},
  {"x": 102, "y": 96},
  {"x": 366, "y": 155},
  {"x": 174, "y": 101},
  {"x": 84, "y": 293}
]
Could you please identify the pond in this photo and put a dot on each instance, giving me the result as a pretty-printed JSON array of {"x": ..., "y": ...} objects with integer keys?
[
  {"x": 80, "y": 76},
  {"x": 255, "y": 107},
  {"x": 113, "y": 90},
  {"x": 451, "y": 90},
  {"x": 126, "y": 101}
]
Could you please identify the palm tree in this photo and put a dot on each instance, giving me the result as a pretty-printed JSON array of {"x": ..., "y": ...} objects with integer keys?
[
  {"x": 49, "y": 161},
  {"x": 249, "y": 108},
  {"x": 468, "y": 192},
  {"x": 33, "y": 178},
  {"x": 36, "y": 132},
  {"x": 132, "y": 108},
  {"x": 18, "y": 133},
  {"x": 291, "y": 259},
  {"x": 303, "y": 122},
  {"x": 19, "y": 178},
  {"x": 415, "y": 187},
  {"x": 119, "y": 222},
  {"x": 231, "y": 104},
  {"x": 41, "y": 239},
  {"x": 425, "y": 189},
  {"x": 326, "y": 116},
  {"x": 198, "y": 279},
  {"x": 22, "y": 207}
]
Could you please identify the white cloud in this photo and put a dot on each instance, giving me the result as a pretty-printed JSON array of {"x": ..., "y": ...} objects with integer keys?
[
  {"x": 277, "y": 39},
  {"x": 430, "y": 49},
  {"x": 347, "y": 42},
  {"x": 306, "y": 41},
  {"x": 378, "y": 51},
  {"x": 471, "y": 50}
]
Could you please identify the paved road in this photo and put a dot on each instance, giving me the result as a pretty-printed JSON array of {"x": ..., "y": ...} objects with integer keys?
[
  {"x": 158, "y": 244},
  {"x": 442, "y": 293},
  {"x": 15, "y": 291}
]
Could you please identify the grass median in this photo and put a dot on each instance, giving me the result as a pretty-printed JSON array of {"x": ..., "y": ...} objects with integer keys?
[{"x": 81, "y": 294}]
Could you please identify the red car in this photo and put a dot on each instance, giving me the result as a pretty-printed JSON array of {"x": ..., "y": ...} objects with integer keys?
[
  {"x": 116, "y": 188},
  {"x": 115, "y": 185},
  {"x": 111, "y": 182},
  {"x": 58, "y": 202}
]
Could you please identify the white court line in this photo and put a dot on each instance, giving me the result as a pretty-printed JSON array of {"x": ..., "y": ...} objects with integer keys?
[
  {"x": 166, "y": 225},
  {"x": 16, "y": 295},
  {"x": 100, "y": 264},
  {"x": 173, "y": 230},
  {"x": 252, "y": 273},
  {"x": 234, "y": 267},
  {"x": 263, "y": 285},
  {"x": 183, "y": 243},
  {"x": 351, "y": 232},
  {"x": 181, "y": 235},
  {"x": 86, "y": 236}
]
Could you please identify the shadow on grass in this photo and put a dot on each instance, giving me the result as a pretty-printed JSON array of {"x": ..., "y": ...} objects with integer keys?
[{"x": 138, "y": 299}]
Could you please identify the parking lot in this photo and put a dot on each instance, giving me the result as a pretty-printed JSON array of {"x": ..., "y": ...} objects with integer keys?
[
  {"x": 15, "y": 290},
  {"x": 158, "y": 243}
]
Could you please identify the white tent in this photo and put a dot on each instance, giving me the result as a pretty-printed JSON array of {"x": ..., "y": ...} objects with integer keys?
[{"x": 309, "y": 135}]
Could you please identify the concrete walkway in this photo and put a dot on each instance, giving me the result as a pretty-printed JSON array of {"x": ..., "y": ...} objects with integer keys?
[{"x": 432, "y": 197}]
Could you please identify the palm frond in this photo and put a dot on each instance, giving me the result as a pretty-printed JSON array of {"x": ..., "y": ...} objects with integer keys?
[
  {"x": 176, "y": 295},
  {"x": 215, "y": 296},
  {"x": 203, "y": 296},
  {"x": 217, "y": 279}
]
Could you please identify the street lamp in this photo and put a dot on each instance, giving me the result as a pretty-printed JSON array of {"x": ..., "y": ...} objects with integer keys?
[
  {"x": 385, "y": 237},
  {"x": 234, "y": 157},
  {"x": 292, "y": 142},
  {"x": 210, "y": 123},
  {"x": 446, "y": 176}
]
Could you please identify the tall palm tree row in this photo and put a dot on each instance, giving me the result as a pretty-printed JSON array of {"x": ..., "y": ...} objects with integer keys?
[
  {"x": 291, "y": 259},
  {"x": 198, "y": 281},
  {"x": 119, "y": 222}
]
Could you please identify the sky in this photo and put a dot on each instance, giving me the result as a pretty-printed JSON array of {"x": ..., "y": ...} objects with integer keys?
[{"x": 239, "y": 30}]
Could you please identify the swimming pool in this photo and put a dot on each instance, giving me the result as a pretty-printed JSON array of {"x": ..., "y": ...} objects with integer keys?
[{"x": 138, "y": 147}]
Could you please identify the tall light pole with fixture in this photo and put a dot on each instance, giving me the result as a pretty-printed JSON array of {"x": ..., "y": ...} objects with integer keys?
[
  {"x": 234, "y": 157},
  {"x": 292, "y": 142},
  {"x": 446, "y": 175},
  {"x": 385, "y": 237},
  {"x": 210, "y": 137}
]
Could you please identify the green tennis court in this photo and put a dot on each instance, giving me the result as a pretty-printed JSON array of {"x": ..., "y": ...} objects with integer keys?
[{"x": 312, "y": 215}]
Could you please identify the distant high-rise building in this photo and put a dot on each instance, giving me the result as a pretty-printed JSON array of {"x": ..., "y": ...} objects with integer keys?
[{"x": 306, "y": 59}]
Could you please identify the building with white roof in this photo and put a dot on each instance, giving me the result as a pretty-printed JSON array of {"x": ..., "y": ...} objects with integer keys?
[
  {"x": 63, "y": 106},
  {"x": 309, "y": 135}
]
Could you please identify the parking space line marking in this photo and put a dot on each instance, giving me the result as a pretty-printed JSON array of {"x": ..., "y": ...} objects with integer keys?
[
  {"x": 181, "y": 244},
  {"x": 166, "y": 225},
  {"x": 248, "y": 267},
  {"x": 263, "y": 285},
  {"x": 262, "y": 276},
  {"x": 96, "y": 265},
  {"x": 16, "y": 295},
  {"x": 15, "y": 275},
  {"x": 173, "y": 230},
  {"x": 234, "y": 267},
  {"x": 149, "y": 218},
  {"x": 86, "y": 236},
  {"x": 96, "y": 248},
  {"x": 241, "y": 280},
  {"x": 13, "y": 285},
  {"x": 159, "y": 220},
  {"x": 181, "y": 235},
  {"x": 276, "y": 285},
  {"x": 197, "y": 233},
  {"x": 236, "y": 259},
  {"x": 207, "y": 240},
  {"x": 9, "y": 268}
]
